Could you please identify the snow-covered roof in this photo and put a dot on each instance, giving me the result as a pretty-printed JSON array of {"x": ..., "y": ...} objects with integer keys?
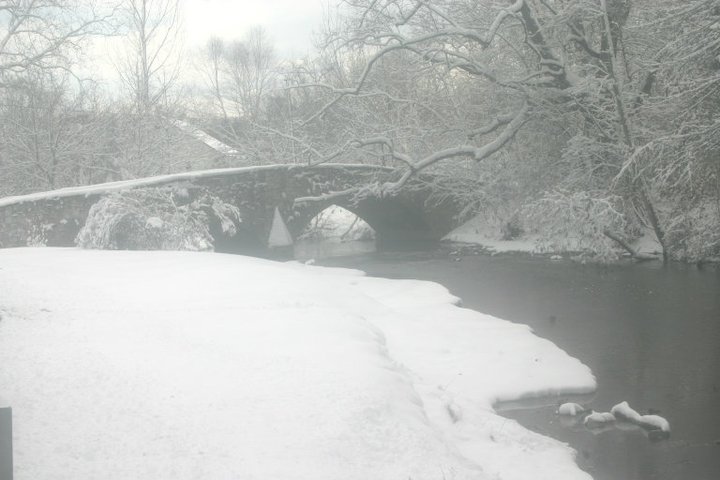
[{"x": 205, "y": 138}]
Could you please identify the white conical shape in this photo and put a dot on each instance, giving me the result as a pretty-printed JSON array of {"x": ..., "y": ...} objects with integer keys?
[{"x": 279, "y": 233}]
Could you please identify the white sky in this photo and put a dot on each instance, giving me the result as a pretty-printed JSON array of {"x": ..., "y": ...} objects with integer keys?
[{"x": 290, "y": 23}]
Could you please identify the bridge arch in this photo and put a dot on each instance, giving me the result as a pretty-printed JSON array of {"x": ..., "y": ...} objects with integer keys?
[
  {"x": 336, "y": 222},
  {"x": 392, "y": 220}
]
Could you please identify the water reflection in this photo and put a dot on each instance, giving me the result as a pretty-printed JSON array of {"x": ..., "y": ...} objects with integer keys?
[
  {"x": 544, "y": 402},
  {"x": 651, "y": 335},
  {"x": 310, "y": 250}
]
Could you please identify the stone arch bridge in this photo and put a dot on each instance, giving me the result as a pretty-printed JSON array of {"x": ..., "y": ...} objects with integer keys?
[{"x": 416, "y": 213}]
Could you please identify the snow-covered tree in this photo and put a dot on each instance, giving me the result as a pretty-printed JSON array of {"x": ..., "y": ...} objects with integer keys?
[
  {"x": 158, "y": 219},
  {"x": 45, "y": 34},
  {"x": 508, "y": 72},
  {"x": 150, "y": 66}
]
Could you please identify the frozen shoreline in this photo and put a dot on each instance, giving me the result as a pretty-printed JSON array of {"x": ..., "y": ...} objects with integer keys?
[
  {"x": 197, "y": 364},
  {"x": 476, "y": 232}
]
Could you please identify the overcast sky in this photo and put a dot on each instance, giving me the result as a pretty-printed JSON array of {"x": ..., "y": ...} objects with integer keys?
[{"x": 290, "y": 23}]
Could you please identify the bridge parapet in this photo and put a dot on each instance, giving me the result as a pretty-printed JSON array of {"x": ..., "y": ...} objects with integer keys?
[{"x": 54, "y": 218}]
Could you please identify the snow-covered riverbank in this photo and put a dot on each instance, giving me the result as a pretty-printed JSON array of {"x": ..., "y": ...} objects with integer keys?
[
  {"x": 489, "y": 236},
  {"x": 197, "y": 365}
]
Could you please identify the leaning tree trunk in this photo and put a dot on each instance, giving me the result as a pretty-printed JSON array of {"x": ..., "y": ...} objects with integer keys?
[{"x": 638, "y": 185}]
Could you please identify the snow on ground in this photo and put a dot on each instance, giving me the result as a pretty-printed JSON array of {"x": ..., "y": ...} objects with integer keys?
[
  {"x": 204, "y": 137},
  {"x": 479, "y": 231},
  {"x": 647, "y": 243},
  {"x": 524, "y": 244},
  {"x": 180, "y": 365}
]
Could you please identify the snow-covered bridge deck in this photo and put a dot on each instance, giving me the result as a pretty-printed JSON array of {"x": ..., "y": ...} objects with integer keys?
[{"x": 415, "y": 213}]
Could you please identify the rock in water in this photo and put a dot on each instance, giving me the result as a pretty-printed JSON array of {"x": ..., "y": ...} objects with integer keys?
[
  {"x": 623, "y": 411},
  {"x": 596, "y": 419},
  {"x": 571, "y": 409}
]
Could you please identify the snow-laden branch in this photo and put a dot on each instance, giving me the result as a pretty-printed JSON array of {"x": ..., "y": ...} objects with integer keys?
[
  {"x": 512, "y": 124},
  {"x": 492, "y": 126},
  {"x": 396, "y": 41},
  {"x": 471, "y": 151},
  {"x": 32, "y": 36},
  {"x": 535, "y": 39}
]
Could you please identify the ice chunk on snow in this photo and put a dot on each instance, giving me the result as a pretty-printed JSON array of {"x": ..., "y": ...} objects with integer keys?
[
  {"x": 571, "y": 409},
  {"x": 598, "y": 418}
]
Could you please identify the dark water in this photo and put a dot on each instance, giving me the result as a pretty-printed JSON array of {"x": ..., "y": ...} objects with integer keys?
[{"x": 650, "y": 334}]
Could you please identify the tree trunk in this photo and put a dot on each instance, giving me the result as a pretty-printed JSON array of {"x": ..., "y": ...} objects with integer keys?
[{"x": 626, "y": 246}]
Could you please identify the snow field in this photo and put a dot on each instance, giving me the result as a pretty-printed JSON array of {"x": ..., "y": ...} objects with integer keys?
[{"x": 180, "y": 365}]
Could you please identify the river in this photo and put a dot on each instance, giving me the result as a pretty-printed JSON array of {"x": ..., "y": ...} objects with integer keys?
[{"x": 650, "y": 334}]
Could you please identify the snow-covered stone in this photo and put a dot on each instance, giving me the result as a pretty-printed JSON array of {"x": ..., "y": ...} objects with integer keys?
[
  {"x": 655, "y": 422},
  {"x": 599, "y": 419},
  {"x": 571, "y": 409},
  {"x": 651, "y": 422},
  {"x": 623, "y": 411}
]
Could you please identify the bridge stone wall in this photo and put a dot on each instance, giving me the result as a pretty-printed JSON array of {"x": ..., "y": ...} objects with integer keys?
[
  {"x": 54, "y": 218},
  {"x": 53, "y": 222}
]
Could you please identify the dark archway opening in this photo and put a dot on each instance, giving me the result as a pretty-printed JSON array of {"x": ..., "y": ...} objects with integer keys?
[
  {"x": 244, "y": 242},
  {"x": 398, "y": 227}
]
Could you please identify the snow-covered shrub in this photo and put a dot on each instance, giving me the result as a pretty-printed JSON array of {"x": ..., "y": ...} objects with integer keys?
[
  {"x": 38, "y": 236},
  {"x": 513, "y": 228},
  {"x": 157, "y": 219},
  {"x": 694, "y": 234},
  {"x": 575, "y": 222}
]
